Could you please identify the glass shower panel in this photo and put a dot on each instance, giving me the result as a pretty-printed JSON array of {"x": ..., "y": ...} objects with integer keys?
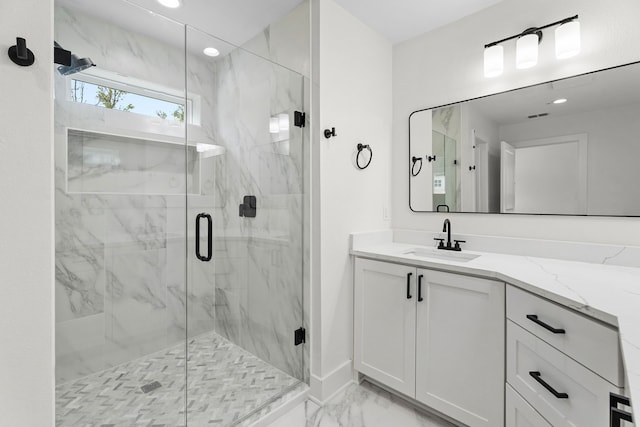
[
  {"x": 122, "y": 169},
  {"x": 246, "y": 302},
  {"x": 444, "y": 172},
  {"x": 439, "y": 180}
]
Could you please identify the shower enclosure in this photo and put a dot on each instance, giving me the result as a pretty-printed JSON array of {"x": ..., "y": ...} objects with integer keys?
[{"x": 179, "y": 223}]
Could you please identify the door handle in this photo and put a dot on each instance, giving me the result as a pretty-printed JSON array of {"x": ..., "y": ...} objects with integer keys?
[
  {"x": 409, "y": 285},
  {"x": 209, "y": 255},
  {"x": 420, "y": 299}
]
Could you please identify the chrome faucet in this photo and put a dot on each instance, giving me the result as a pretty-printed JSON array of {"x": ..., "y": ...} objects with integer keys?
[{"x": 448, "y": 247}]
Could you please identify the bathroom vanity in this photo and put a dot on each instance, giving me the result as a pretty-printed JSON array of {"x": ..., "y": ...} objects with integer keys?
[{"x": 489, "y": 339}]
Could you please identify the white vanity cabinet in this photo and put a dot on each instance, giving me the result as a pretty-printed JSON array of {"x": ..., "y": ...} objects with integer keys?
[
  {"x": 434, "y": 336},
  {"x": 561, "y": 364}
]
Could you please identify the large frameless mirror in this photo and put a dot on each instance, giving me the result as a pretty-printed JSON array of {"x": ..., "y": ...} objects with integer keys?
[{"x": 566, "y": 147}]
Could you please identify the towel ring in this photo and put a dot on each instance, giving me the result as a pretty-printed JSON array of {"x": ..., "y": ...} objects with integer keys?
[
  {"x": 413, "y": 167},
  {"x": 361, "y": 148}
]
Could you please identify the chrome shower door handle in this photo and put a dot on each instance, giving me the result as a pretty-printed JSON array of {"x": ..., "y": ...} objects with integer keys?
[{"x": 209, "y": 255}]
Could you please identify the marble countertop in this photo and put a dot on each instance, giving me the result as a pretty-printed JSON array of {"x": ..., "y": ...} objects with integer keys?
[{"x": 608, "y": 293}]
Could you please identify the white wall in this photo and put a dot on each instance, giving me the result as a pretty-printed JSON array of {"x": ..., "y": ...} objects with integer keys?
[
  {"x": 355, "y": 97},
  {"x": 446, "y": 65},
  {"x": 26, "y": 218}
]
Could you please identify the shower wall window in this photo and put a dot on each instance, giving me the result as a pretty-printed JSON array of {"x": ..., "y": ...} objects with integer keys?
[{"x": 179, "y": 222}]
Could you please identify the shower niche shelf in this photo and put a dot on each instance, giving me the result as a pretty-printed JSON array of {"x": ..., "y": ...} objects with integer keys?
[{"x": 117, "y": 164}]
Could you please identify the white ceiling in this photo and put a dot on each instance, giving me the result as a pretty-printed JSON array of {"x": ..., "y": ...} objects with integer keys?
[
  {"x": 399, "y": 20},
  {"x": 590, "y": 92},
  {"x": 237, "y": 21}
]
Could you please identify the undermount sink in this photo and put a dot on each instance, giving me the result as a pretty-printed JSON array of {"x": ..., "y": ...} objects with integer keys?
[{"x": 441, "y": 254}]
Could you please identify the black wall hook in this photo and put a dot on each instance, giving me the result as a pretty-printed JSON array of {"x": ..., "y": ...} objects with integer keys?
[
  {"x": 328, "y": 133},
  {"x": 20, "y": 53}
]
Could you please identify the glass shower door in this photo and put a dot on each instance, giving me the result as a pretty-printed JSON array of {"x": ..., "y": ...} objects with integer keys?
[
  {"x": 244, "y": 298},
  {"x": 122, "y": 169}
]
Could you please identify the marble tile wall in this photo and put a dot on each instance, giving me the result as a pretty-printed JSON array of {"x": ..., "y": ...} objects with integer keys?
[
  {"x": 120, "y": 233},
  {"x": 120, "y": 265}
]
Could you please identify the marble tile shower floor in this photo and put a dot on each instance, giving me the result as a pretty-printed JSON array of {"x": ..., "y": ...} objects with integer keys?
[{"x": 225, "y": 385}]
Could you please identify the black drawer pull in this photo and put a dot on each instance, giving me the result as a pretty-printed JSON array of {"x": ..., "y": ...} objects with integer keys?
[
  {"x": 535, "y": 319},
  {"x": 536, "y": 376},
  {"x": 420, "y": 299},
  {"x": 409, "y": 285}
]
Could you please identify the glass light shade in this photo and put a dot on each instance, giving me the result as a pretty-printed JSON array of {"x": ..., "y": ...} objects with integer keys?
[
  {"x": 172, "y": 4},
  {"x": 527, "y": 51},
  {"x": 274, "y": 125},
  {"x": 283, "y": 122},
  {"x": 493, "y": 61},
  {"x": 568, "y": 40}
]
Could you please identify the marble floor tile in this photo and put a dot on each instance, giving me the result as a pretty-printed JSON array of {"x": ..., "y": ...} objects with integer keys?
[
  {"x": 360, "y": 405},
  {"x": 224, "y": 384}
]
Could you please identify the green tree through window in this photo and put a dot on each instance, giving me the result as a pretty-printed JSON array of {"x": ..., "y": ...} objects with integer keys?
[{"x": 110, "y": 98}]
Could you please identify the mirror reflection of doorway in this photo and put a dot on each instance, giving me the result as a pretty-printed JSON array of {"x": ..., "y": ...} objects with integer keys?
[
  {"x": 443, "y": 170},
  {"x": 543, "y": 175}
]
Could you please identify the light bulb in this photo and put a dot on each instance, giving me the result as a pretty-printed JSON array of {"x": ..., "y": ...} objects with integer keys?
[
  {"x": 568, "y": 40},
  {"x": 493, "y": 61},
  {"x": 527, "y": 51}
]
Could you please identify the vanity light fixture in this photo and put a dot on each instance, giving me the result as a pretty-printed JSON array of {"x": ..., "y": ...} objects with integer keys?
[
  {"x": 211, "y": 51},
  {"x": 560, "y": 101},
  {"x": 567, "y": 45},
  {"x": 493, "y": 61},
  {"x": 279, "y": 123},
  {"x": 171, "y": 4}
]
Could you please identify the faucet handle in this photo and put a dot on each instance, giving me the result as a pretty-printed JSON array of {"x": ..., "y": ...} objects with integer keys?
[
  {"x": 457, "y": 247},
  {"x": 440, "y": 242}
]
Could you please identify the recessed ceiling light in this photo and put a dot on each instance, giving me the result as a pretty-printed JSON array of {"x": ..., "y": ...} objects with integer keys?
[
  {"x": 560, "y": 101},
  {"x": 171, "y": 3},
  {"x": 211, "y": 51}
]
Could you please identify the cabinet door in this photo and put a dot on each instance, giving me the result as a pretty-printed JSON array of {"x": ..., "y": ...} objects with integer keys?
[
  {"x": 518, "y": 413},
  {"x": 460, "y": 347},
  {"x": 385, "y": 323}
]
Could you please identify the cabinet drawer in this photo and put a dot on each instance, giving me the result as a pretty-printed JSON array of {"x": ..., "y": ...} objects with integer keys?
[
  {"x": 587, "y": 395},
  {"x": 518, "y": 413},
  {"x": 591, "y": 343}
]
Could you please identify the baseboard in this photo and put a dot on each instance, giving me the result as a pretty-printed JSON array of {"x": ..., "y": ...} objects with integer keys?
[
  {"x": 412, "y": 402},
  {"x": 325, "y": 388}
]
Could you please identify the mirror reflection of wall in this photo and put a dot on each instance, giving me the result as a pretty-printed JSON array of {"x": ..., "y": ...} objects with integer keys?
[
  {"x": 436, "y": 137},
  {"x": 567, "y": 147}
]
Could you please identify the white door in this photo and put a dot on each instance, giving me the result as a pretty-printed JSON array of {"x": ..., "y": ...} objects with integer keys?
[
  {"x": 460, "y": 347},
  {"x": 507, "y": 177},
  {"x": 385, "y": 322}
]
